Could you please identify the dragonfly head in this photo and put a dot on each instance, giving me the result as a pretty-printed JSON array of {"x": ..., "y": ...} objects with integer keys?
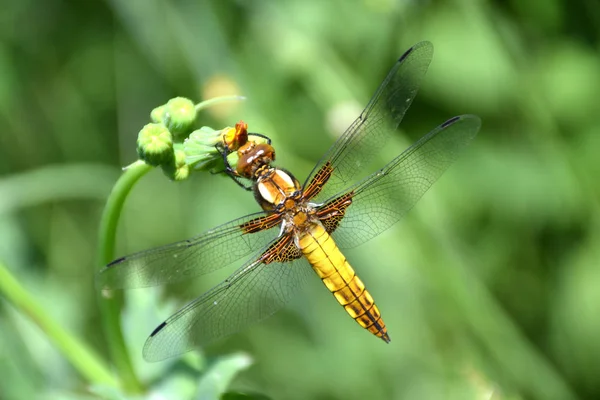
[{"x": 255, "y": 158}]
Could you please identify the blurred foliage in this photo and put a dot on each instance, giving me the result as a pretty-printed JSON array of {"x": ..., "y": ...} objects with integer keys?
[{"x": 489, "y": 288}]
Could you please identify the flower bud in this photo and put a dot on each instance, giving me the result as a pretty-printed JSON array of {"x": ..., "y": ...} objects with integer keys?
[
  {"x": 158, "y": 114},
  {"x": 179, "y": 115},
  {"x": 155, "y": 145},
  {"x": 177, "y": 169},
  {"x": 182, "y": 169}
]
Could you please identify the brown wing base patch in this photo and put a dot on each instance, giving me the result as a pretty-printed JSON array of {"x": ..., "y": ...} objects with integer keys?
[
  {"x": 261, "y": 223},
  {"x": 283, "y": 250},
  {"x": 319, "y": 180},
  {"x": 332, "y": 213}
]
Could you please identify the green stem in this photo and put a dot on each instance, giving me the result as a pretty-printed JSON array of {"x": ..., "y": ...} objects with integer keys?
[
  {"x": 111, "y": 307},
  {"x": 218, "y": 100},
  {"x": 83, "y": 359}
]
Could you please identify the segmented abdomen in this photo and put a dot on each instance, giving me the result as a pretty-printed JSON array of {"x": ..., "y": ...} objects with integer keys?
[{"x": 338, "y": 276}]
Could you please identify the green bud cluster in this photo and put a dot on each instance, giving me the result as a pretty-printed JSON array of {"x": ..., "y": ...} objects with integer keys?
[{"x": 171, "y": 142}]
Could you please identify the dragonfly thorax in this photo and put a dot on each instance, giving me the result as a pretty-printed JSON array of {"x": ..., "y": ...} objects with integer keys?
[
  {"x": 298, "y": 215},
  {"x": 276, "y": 188}
]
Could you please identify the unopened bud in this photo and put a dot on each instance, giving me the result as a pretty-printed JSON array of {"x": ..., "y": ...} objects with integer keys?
[
  {"x": 155, "y": 144},
  {"x": 180, "y": 115},
  {"x": 158, "y": 114}
]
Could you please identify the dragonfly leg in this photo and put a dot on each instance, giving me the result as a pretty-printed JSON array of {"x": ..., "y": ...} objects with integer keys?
[{"x": 229, "y": 170}]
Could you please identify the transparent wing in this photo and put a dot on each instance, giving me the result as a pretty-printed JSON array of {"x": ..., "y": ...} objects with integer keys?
[
  {"x": 254, "y": 292},
  {"x": 383, "y": 198},
  {"x": 205, "y": 253},
  {"x": 356, "y": 148}
]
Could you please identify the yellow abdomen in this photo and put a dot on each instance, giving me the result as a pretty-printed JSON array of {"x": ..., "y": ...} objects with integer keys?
[{"x": 336, "y": 273}]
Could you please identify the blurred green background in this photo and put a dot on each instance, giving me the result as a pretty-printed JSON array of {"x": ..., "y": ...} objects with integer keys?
[{"x": 490, "y": 288}]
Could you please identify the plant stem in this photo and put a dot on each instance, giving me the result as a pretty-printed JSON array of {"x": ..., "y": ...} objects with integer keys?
[
  {"x": 111, "y": 307},
  {"x": 83, "y": 359},
  {"x": 218, "y": 100}
]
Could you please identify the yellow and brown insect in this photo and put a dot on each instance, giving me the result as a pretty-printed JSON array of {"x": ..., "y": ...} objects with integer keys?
[{"x": 302, "y": 228}]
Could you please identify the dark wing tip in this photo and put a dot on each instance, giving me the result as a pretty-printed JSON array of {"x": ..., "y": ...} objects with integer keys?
[
  {"x": 154, "y": 352},
  {"x": 474, "y": 120},
  {"x": 115, "y": 262},
  {"x": 450, "y": 121},
  {"x": 158, "y": 329},
  {"x": 424, "y": 43},
  {"x": 102, "y": 278}
]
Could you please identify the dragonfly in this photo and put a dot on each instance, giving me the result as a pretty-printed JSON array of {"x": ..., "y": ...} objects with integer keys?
[{"x": 302, "y": 228}]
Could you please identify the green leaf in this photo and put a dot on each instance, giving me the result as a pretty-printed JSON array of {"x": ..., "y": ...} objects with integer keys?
[{"x": 220, "y": 374}]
